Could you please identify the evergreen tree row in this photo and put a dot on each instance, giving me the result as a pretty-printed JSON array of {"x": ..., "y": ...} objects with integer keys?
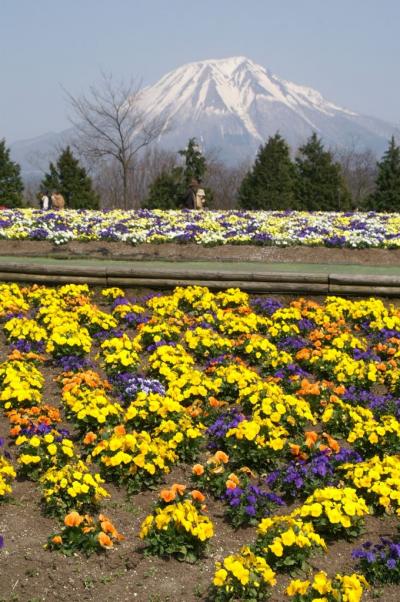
[{"x": 312, "y": 182}]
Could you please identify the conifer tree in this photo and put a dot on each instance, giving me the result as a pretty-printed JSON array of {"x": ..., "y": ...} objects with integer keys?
[
  {"x": 167, "y": 190},
  {"x": 11, "y": 186},
  {"x": 51, "y": 180},
  {"x": 195, "y": 162},
  {"x": 320, "y": 185},
  {"x": 387, "y": 194},
  {"x": 270, "y": 182},
  {"x": 72, "y": 181}
]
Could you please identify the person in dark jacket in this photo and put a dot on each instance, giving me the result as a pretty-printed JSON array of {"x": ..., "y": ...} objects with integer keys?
[
  {"x": 190, "y": 198},
  {"x": 195, "y": 196}
]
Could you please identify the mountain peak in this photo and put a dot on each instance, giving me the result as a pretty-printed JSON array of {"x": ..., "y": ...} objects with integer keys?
[{"x": 233, "y": 104}]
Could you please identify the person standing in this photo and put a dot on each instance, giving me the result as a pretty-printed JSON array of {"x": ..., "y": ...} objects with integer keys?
[
  {"x": 195, "y": 197},
  {"x": 200, "y": 199},
  {"x": 45, "y": 202},
  {"x": 57, "y": 200}
]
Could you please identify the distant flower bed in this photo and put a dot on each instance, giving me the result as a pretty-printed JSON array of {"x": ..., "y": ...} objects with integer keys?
[{"x": 267, "y": 228}]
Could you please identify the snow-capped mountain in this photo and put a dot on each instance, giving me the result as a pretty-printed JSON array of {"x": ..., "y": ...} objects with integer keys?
[{"x": 233, "y": 105}]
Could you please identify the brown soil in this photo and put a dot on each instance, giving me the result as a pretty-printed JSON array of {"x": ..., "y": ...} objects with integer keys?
[{"x": 192, "y": 252}]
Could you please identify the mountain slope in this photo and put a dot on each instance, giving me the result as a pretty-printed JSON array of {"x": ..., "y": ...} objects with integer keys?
[{"x": 233, "y": 105}]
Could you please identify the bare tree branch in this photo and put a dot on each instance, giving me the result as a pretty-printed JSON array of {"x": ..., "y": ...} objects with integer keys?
[{"x": 112, "y": 125}]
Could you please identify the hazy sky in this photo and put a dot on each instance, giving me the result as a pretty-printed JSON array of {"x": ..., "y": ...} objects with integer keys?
[{"x": 349, "y": 50}]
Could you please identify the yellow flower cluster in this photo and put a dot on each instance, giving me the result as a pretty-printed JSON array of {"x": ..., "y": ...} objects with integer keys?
[
  {"x": 38, "y": 452},
  {"x": 120, "y": 354},
  {"x": 203, "y": 341},
  {"x": 24, "y": 328},
  {"x": 71, "y": 486},
  {"x": 241, "y": 572},
  {"x": 21, "y": 384},
  {"x": 378, "y": 481},
  {"x": 168, "y": 362},
  {"x": 68, "y": 338},
  {"x": 155, "y": 331},
  {"x": 91, "y": 407},
  {"x": 256, "y": 442},
  {"x": 261, "y": 351},
  {"x": 333, "y": 509},
  {"x": 95, "y": 319},
  {"x": 373, "y": 435},
  {"x": 279, "y": 536},
  {"x": 347, "y": 588},
  {"x": 149, "y": 409},
  {"x": 112, "y": 292},
  {"x": 12, "y": 300},
  {"x": 180, "y": 516},
  {"x": 7, "y": 475},
  {"x": 267, "y": 399},
  {"x": 136, "y": 459}
]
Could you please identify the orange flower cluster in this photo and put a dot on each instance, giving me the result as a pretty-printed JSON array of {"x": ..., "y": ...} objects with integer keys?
[
  {"x": 178, "y": 491},
  {"x": 98, "y": 534},
  {"x": 313, "y": 440},
  {"x": 32, "y": 417}
]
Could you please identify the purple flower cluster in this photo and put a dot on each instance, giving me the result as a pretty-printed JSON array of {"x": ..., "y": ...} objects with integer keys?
[
  {"x": 335, "y": 241},
  {"x": 153, "y": 346},
  {"x": 286, "y": 372},
  {"x": 128, "y": 385},
  {"x": 45, "y": 429},
  {"x": 74, "y": 363},
  {"x": 5, "y": 452},
  {"x": 249, "y": 504},
  {"x": 379, "y": 404},
  {"x": 380, "y": 562},
  {"x": 299, "y": 478},
  {"x": 266, "y": 306},
  {"x": 217, "y": 431},
  {"x": 39, "y": 234},
  {"x": 103, "y": 335},
  {"x": 25, "y": 346},
  {"x": 131, "y": 318}
]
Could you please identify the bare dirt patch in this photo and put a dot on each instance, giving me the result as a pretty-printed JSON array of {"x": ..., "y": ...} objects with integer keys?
[{"x": 192, "y": 252}]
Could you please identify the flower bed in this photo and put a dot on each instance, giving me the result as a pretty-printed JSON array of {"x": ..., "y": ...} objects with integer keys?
[
  {"x": 230, "y": 416},
  {"x": 266, "y": 228}
]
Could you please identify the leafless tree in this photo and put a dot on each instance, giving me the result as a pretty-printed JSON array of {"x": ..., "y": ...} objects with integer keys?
[
  {"x": 30, "y": 193},
  {"x": 146, "y": 168},
  {"x": 150, "y": 165},
  {"x": 359, "y": 171},
  {"x": 112, "y": 126},
  {"x": 224, "y": 181}
]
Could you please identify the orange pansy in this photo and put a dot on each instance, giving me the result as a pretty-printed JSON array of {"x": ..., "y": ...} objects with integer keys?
[
  {"x": 167, "y": 495},
  {"x": 198, "y": 470},
  {"x": 73, "y": 519},
  {"x": 104, "y": 540},
  {"x": 221, "y": 456},
  {"x": 197, "y": 495}
]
